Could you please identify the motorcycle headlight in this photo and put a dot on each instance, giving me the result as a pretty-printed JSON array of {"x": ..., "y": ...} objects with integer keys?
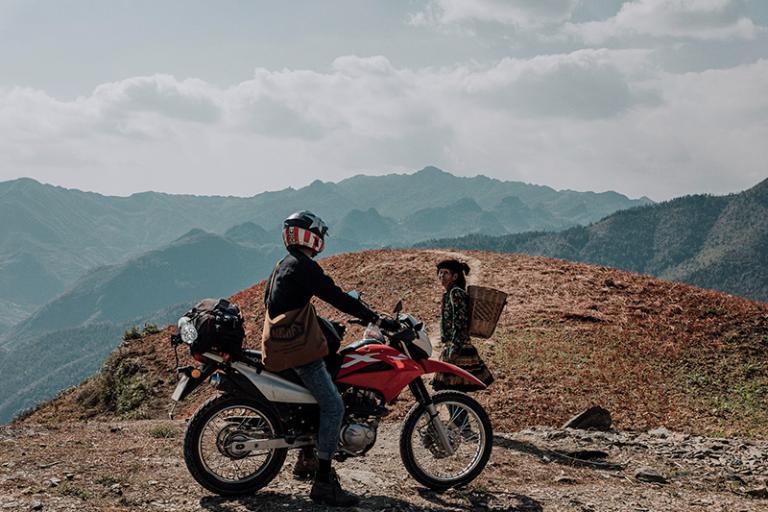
[{"x": 187, "y": 331}]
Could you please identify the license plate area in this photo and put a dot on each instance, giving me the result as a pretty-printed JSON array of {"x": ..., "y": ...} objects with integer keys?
[{"x": 180, "y": 388}]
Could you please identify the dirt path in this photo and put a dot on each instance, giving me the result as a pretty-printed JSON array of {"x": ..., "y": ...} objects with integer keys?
[{"x": 84, "y": 467}]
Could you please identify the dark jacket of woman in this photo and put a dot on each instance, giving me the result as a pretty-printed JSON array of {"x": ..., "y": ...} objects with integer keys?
[{"x": 458, "y": 349}]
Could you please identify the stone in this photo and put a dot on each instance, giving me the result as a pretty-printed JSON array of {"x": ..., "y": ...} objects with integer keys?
[
  {"x": 759, "y": 492},
  {"x": 596, "y": 418},
  {"x": 650, "y": 475},
  {"x": 587, "y": 454},
  {"x": 660, "y": 432},
  {"x": 37, "y": 506}
]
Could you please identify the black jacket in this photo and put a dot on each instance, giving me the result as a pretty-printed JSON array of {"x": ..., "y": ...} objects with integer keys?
[{"x": 298, "y": 279}]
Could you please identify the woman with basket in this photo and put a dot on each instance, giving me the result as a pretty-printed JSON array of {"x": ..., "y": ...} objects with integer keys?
[{"x": 454, "y": 331}]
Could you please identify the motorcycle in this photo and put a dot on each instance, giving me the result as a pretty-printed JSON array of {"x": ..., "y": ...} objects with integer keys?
[{"x": 237, "y": 441}]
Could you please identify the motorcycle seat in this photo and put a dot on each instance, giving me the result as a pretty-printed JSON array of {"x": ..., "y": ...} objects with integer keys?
[{"x": 253, "y": 357}]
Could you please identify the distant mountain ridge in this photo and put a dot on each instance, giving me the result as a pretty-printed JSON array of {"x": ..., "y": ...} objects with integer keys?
[
  {"x": 52, "y": 236},
  {"x": 716, "y": 242},
  {"x": 67, "y": 339}
]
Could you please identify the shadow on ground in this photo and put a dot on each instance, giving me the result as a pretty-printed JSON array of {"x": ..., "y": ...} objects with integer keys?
[
  {"x": 548, "y": 456},
  {"x": 457, "y": 499}
]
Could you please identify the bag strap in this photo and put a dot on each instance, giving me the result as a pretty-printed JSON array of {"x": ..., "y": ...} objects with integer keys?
[{"x": 272, "y": 278}]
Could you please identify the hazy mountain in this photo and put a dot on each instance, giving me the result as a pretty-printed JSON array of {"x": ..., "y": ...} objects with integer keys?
[
  {"x": 462, "y": 216},
  {"x": 68, "y": 338},
  {"x": 251, "y": 234},
  {"x": 368, "y": 226},
  {"x": 52, "y": 236},
  {"x": 712, "y": 242}
]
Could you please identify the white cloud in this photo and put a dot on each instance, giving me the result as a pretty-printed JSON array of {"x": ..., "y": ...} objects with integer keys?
[
  {"x": 589, "y": 119},
  {"x": 522, "y": 13},
  {"x": 683, "y": 19}
]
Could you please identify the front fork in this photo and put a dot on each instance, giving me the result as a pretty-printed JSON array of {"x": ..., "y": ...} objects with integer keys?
[{"x": 420, "y": 392}]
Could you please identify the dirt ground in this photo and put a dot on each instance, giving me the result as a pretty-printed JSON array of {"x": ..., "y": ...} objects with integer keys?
[{"x": 127, "y": 466}]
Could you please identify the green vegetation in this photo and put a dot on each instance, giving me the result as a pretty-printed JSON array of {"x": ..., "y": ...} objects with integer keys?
[
  {"x": 712, "y": 242},
  {"x": 120, "y": 387},
  {"x": 164, "y": 431},
  {"x": 70, "y": 489},
  {"x": 150, "y": 329},
  {"x": 108, "y": 480},
  {"x": 132, "y": 334}
]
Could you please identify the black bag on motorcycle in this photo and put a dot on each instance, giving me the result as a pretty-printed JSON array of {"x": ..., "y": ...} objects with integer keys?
[{"x": 219, "y": 326}]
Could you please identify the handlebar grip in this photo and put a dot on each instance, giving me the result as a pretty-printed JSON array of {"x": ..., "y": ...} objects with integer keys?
[{"x": 357, "y": 321}]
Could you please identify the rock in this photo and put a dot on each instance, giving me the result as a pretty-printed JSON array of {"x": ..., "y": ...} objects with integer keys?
[
  {"x": 69, "y": 476},
  {"x": 759, "y": 492},
  {"x": 593, "y": 418},
  {"x": 587, "y": 454},
  {"x": 565, "y": 480},
  {"x": 52, "y": 482},
  {"x": 116, "y": 489},
  {"x": 650, "y": 475},
  {"x": 37, "y": 506},
  {"x": 660, "y": 432}
]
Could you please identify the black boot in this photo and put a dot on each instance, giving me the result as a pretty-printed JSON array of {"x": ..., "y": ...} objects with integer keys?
[
  {"x": 306, "y": 464},
  {"x": 329, "y": 492}
]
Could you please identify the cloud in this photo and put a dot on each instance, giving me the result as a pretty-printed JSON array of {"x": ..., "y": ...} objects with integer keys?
[
  {"x": 521, "y": 13},
  {"x": 680, "y": 19},
  {"x": 188, "y": 100},
  {"x": 589, "y": 119}
]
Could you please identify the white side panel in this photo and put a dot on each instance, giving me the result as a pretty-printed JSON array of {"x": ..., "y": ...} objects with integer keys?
[{"x": 274, "y": 388}]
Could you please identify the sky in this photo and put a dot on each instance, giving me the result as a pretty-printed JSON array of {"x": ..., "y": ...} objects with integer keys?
[{"x": 657, "y": 98}]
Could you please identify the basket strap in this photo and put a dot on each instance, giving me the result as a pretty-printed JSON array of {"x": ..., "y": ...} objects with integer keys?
[{"x": 453, "y": 314}]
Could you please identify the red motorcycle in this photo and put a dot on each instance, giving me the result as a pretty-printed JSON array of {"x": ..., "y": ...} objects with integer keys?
[{"x": 236, "y": 442}]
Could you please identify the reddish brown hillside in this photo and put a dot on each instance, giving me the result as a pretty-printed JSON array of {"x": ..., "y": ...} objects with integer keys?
[{"x": 653, "y": 352}]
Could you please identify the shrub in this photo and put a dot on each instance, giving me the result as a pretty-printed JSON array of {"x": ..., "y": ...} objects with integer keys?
[
  {"x": 132, "y": 334},
  {"x": 123, "y": 383},
  {"x": 150, "y": 329},
  {"x": 163, "y": 432},
  {"x": 70, "y": 489}
]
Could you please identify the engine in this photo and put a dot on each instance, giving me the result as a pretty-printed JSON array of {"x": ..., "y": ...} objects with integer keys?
[
  {"x": 358, "y": 433},
  {"x": 357, "y": 438}
]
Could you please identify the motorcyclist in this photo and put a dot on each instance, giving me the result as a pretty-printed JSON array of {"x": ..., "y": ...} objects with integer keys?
[{"x": 296, "y": 279}]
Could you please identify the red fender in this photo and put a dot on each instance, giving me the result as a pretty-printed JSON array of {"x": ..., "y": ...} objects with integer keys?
[{"x": 433, "y": 366}]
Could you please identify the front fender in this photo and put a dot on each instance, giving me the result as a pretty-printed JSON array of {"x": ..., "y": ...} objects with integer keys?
[{"x": 433, "y": 366}]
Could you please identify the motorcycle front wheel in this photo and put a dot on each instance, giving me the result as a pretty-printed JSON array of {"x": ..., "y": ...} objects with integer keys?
[
  {"x": 470, "y": 435},
  {"x": 215, "y": 428}
]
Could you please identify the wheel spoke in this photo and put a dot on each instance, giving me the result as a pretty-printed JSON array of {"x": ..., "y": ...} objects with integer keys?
[
  {"x": 222, "y": 431},
  {"x": 466, "y": 435}
]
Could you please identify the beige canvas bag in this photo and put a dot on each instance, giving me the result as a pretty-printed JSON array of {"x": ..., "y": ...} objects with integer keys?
[{"x": 293, "y": 338}]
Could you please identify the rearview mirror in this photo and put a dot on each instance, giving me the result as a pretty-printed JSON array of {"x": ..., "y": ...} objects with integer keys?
[{"x": 398, "y": 307}]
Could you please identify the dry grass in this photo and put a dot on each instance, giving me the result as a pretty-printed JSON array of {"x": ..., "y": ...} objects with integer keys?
[{"x": 653, "y": 352}]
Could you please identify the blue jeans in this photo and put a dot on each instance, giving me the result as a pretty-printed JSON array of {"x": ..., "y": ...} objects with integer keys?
[{"x": 318, "y": 381}]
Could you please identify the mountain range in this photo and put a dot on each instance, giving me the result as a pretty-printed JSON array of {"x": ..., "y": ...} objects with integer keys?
[
  {"x": 51, "y": 236},
  {"x": 77, "y": 269},
  {"x": 717, "y": 242}
]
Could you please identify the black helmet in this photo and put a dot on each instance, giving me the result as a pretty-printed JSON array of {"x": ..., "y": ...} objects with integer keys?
[{"x": 304, "y": 229}]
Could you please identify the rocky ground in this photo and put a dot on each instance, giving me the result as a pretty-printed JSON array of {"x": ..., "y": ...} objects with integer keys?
[
  {"x": 572, "y": 336},
  {"x": 138, "y": 466}
]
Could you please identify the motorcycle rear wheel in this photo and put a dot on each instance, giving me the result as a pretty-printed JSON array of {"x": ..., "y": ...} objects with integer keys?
[
  {"x": 214, "y": 427},
  {"x": 470, "y": 433}
]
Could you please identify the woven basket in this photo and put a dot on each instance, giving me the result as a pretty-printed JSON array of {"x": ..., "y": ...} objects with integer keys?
[{"x": 485, "y": 307}]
